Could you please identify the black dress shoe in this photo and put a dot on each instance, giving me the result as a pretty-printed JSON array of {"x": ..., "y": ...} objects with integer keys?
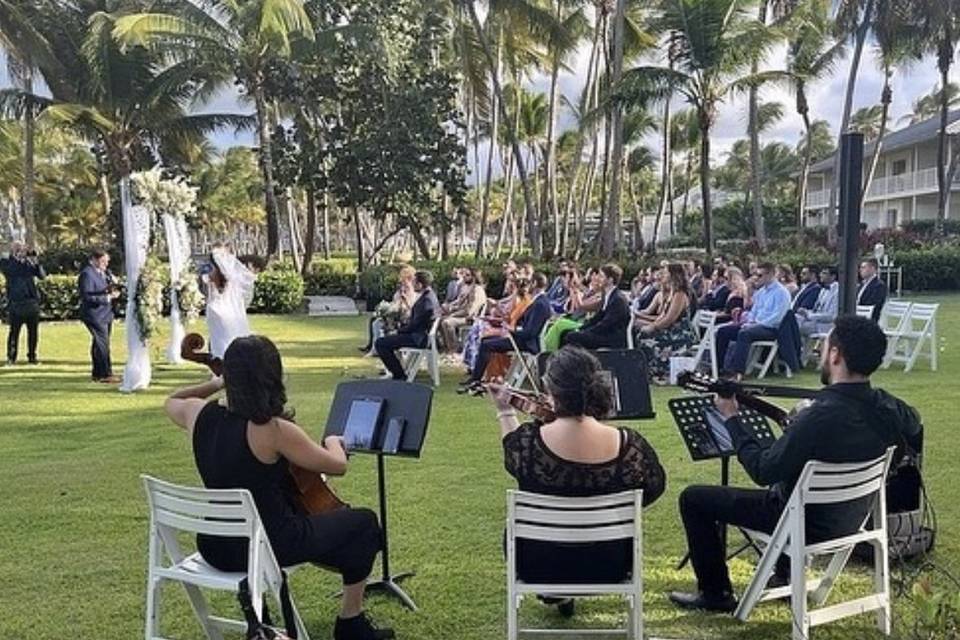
[
  {"x": 468, "y": 387},
  {"x": 721, "y": 602},
  {"x": 360, "y": 628}
]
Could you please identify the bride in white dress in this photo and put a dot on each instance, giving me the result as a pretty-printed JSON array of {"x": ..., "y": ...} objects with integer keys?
[{"x": 229, "y": 292}]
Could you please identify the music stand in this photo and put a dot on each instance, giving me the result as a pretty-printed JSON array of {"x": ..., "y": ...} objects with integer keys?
[
  {"x": 687, "y": 412},
  {"x": 411, "y": 402}
]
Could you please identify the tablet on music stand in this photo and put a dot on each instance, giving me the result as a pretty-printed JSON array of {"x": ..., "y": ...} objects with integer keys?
[{"x": 362, "y": 429}]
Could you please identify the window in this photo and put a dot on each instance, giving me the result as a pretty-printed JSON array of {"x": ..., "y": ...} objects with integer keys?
[
  {"x": 891, "y": 218},
  {"x": 899, "y": 166}
]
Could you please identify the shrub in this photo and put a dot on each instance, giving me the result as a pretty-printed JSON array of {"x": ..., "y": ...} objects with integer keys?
[
  {"x": 59, "y": 297},
  {"x": 330, "y": 279},
  {"x": 934, "y": 269},
  {"x": 278, "y": 289}
]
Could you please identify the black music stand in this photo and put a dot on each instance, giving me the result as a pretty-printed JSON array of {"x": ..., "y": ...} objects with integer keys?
[
  {"x": 687, "y": 412},
  {"x": 406, "y": 400}
]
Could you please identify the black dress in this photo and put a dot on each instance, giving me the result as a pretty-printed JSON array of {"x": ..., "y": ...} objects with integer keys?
[
  {"x": 346, "y": 540},
  {"x": 539, "y": 470}
]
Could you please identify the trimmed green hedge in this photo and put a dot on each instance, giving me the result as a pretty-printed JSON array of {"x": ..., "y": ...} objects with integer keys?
[{"x": 279, "y": 289}]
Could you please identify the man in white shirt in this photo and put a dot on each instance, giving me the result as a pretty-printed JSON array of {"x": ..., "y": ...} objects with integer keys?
[{"x": 820, "y": 319}]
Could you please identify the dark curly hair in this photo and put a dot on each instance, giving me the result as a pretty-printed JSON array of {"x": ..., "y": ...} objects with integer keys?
[
  {"x": 860, "y": 341},
  {"x": 253, "y": 378},
  {"x": 578, "y": 385}
]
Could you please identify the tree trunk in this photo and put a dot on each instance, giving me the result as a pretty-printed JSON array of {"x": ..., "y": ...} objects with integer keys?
[
  {"x": 753, "y": 130},
  {"x": 666, "y": 173},
  {"x": 548, "y": 203},
  {"x": 860, "y": 37},
  {"x": 507, "y": 209},
  {"x": 266, "y": 167},
  {"x": 637, "y": 245},
  {"x": 494, "y": 126},
  {"x": 613, "y": 229},
  {"x": 326, "y": 225},
  {"x": 474, "y": 125},
  {"x": 705, "y": 183},
  {"x": 29, "y": 175},
  {"x": 311, "y": 238},
  {"x": 423, "y": 245},
  {"x": 687, "y": 186},
  {"x": 105, "y": 196},
  {"x": 529, "y": 203},
  {"x": 361, "y": 262},
  {"x": 944, "y": 60},
  {"x": 886, "y": 97},
  {"x": 803, "y": 109}
]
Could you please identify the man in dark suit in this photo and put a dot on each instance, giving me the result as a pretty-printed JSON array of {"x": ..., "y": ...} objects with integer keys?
[
  {"x": 872, "y": 292},
  {"x": 607, "y": 329},
  {"x": 96, "y": 311},
  {"x": 716, "y": 298},
  {"x": 21, "y": 270},
  {"x": 526, "y": 335},
  {"x": 413, "y": 334},
  {"x": 806, "y": 297}
]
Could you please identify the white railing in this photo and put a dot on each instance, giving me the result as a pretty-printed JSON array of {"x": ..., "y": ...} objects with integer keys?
[{"x": 923, "y": 181}]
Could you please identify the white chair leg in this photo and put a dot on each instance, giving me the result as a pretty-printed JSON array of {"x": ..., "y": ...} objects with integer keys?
[
  {"x": 881, "y": 584},
  {"x": 837, "y": 562},
  {"x": 798, "y": 594},
  {"x": 152, "y": 626},
  {"x": 202, "y": 611},
  {"x": 434, "y": 364},
  {"x": 934, "y": 346},
  {"x": 758, "y": 583},
  {"x": 512, "y": 603},
  {"x": 771, "y": 357}
]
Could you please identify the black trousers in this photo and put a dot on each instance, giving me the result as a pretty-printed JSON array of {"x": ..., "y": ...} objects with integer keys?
[
  {"x": 588, "y": 340},
  {"x": 386, "y": 347},
  {"x": 100, "y": 347},
  {"x": 23, "y": 314},
  {"x": 488, "y": 347},
  {"x": 704, "y": 510}
]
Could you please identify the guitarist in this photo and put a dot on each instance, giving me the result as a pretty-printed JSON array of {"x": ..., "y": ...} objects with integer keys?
[
  {"x": 849, "y": 421},
  {"x": 248, "y": 444}
]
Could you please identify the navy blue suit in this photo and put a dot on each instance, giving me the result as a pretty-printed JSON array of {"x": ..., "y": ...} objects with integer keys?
[
  {"x": 412, "y": 334},
  {"x": 716, "y": 300},
  {"x": 873, "y": 294},
  {"x": 807, "y": 298},
  {"x": 96, "y": 312},
  {"x": 526, "y": 335}
]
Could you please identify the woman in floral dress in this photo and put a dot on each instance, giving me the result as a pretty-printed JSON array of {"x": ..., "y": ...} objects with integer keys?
[{"x": 670, "y": 332}]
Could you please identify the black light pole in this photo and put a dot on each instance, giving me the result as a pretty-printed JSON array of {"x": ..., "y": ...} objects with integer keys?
[{"x": 851, "y": 177}]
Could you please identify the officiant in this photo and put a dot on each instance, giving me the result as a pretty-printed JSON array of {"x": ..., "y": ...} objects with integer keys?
[{"x": 97, "y": 293}]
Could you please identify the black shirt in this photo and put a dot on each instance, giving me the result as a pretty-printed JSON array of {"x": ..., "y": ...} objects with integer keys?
[
  {"x": 846, "y": 423},
  {"x": 21, "y": 279}
]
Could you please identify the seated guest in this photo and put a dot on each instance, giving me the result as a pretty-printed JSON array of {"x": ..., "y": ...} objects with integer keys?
[
  {"x": 787, "y": 278},
  {"x": 389, "y": 315},
  {"x": 820, "y": 318},
  {"x": 558, "y": 292},
  {"x": 607, "y": 329},
  {"x": 581, "y": 301},
  {"x": 249, "y": 443},
  {"x": 463, "y": 309},
  {"x": 806, "y": 297},
  {"x": 873, "y": 291},
  {"x": 695, "y": 277},
  {"x": 734, "y": 305},
  {"x": 643, "y": 290},
  {"x": 526, "y": 335},
  {"x": 453, "y": 285},
  {"x": 525, "y": 269},
  {"x": 496, "y": 311},
  {"x": 848, "y": 422},
  {"x": 499, "y": 363},
  {"x": 671, "y": 332},
  {"x": 414, "y": 333},
  {"x": 576, "y": 455},
  {"x": 770, "y": 303},
  {"x": 716, "y": 298}
]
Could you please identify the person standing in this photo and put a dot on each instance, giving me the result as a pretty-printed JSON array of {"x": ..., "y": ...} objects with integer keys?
[
  {"x": 229, "y": 293},
  {"x": 415, "y": 332},
  {"x": 21, "y": 270},
  {"x": 96, "y": 311}
]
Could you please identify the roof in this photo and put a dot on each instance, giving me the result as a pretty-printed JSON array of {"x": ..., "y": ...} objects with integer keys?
[{"x": 906, "y": 137}]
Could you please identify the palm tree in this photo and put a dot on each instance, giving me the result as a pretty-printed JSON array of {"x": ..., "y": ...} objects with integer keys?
[
  {"x": 928, "y": 106},
  {"x": 637, "y": 123},
  {"x": 812, "y": 54},
  {"x": 684, "y": 139},
  {"x": 233, "y": 41},
  {"x": 714, "y": 45},
  {"x": 868, "y": 121}
]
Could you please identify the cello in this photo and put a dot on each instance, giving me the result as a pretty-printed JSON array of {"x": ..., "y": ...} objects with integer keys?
[{"x": 309, "y": 489}]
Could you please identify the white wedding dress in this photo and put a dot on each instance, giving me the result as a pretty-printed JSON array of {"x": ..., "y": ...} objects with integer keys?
[{"x": 227, "y": 309}]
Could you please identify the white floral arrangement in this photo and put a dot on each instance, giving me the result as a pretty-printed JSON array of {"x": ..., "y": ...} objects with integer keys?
[
  {"x": 189, "y": 296},
  {"x": 148, "y": 298},
  {"x": 173, "y": 196}
]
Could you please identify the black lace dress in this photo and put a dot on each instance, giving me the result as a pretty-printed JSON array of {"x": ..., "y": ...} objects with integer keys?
[{"x": 539, "y": 470}]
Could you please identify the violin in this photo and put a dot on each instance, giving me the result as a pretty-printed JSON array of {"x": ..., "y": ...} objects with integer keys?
[
  {"x": 533, "y": 404},
  {"x": 308, "y": 489},
  {"x": 747, "y": 395}
]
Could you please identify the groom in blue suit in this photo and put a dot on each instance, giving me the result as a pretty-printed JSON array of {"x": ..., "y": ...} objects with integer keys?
[{"x": 96, "y": 312}]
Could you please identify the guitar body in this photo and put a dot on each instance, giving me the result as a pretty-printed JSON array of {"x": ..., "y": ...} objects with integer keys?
[{"x": 312, "y": 492}]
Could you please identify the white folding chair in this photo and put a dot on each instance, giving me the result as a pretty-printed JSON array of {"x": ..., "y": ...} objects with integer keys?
[
  {"x": 917, "y": 331},
  {"x": 617, "y": 516},
  {"x": 823, "y": 483},
  {"x": 865, "y": 310},
  {"x": 705, "y": 325},
  {"x": 216, "y": 512},
  {"x": 413, "y": 359},
  {"x": 630, "y": 341},
  {"x": 761, "y": 360},
  {"x": 812, "y": 346}
]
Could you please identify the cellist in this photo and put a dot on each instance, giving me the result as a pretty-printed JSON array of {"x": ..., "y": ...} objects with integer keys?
[{"x": 249, "y": 443}]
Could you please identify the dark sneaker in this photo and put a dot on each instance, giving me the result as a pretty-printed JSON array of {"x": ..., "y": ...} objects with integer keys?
[
  {"x": 360, "y": 628},
  {"x": 721, "y": 602}
]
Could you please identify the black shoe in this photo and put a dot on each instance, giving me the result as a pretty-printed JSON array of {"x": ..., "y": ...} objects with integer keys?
[
  {"x": 470, "y": 387},
  {"x": 564, "y": 605},
  {"x": 721, "y": 603},
  {"x": 365, "y": 349},
  {"x": 359, "y": 628},
  {"x": 34, "y": 361},
  {"x": 776, "y": 581}
]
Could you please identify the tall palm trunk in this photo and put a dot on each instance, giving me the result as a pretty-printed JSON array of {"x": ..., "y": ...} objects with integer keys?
[
  {"x": 705, "y": 118},
  {"x": 753, "y": 126},
  {"x": 666, "y": 173},
  {"x": 494, "y": 126},
  {"x": 29, "y": 176},
  {"x": 613, "y": 229},
  {"x": 803, "y": 108},
  {"x": 473, "y": 125},
  {"x": 310, "y": 240},
  {"x": 266, "y": 167},
  {"x": 548, "y": 203},
  {"x": 860, "y": 37},
  {"x": 886, "y": 97},
  {"x": 529, "y": 203},
  {"x": 944, "y": 61},
  {"x": 505, "y": 219}
]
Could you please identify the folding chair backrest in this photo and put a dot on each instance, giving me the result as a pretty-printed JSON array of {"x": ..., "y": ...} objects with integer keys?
[
  {"x": 894, "y": 315},
  {"x": 630, "y": 340},
  {"x": 831, "y": 483},
  {"x": 704, "y": 321},
  {"x": 865, "y": 310},
  {"x": 534, "y": 516},
  {"x": 432, "y": 335},
  {"x": 215, "y": 512},
  {"x": 921, "y": 315}
]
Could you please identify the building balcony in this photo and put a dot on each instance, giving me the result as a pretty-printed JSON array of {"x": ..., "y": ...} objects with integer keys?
[{"x": 881, "y": 188}]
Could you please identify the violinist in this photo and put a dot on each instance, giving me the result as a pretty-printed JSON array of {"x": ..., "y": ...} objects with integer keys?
[
  {"x": 848, "y": 421},
  {"x": 575, "y": 454},
  {"x": 248, "y": 443}
]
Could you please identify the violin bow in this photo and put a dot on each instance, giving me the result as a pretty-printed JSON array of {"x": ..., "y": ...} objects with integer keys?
[{"x": 534, "y": 380}]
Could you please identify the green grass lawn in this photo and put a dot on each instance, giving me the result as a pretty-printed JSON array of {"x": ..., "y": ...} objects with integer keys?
[{"x": 73, "y": 519}]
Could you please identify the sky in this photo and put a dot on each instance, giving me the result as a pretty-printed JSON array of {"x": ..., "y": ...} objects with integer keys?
[{"x": 825, "y": 97}]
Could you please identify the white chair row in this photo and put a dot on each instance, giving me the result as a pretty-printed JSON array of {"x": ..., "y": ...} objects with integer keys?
[{"x": 414, "y": 359}]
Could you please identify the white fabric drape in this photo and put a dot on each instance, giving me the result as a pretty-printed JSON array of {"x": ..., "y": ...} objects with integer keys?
[
  {"x": 178, "y": 248},
  {"x": 227, "y": 309},
  {"x": 136, "y": 244}
]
